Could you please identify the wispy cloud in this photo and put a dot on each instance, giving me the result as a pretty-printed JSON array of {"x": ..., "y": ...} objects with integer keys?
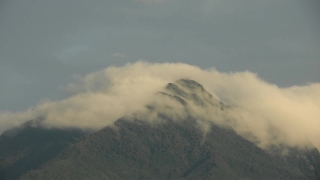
[
  {"x": 71, "y": 51},
  {"x": 119, "y": 55},
  {"x": 151, "y": 1}
]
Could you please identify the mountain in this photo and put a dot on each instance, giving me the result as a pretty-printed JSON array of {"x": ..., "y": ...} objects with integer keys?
[
  {"x": 137, "y": 150},
  {"x": 27, "y": 147},
  {"x": 306, "y": 160},
  {"x": 174, "y": 146}
]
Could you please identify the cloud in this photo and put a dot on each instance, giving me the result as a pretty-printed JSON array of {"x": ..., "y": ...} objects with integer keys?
[
  {"x": 261, "y": 112},
  {"x": 119, "y": 55},
  {"x": 151, "y": 1},
  {"x": 70, "y": 52}
]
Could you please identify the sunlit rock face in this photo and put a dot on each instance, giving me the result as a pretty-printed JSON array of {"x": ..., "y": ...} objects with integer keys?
[{"x": 192, "y": 91}]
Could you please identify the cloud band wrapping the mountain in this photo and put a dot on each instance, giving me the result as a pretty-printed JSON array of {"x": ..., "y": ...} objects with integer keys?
[{"x": 261, "y": 112}]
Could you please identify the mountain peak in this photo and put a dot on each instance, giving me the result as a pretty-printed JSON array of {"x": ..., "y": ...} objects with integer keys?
[
  {"x": 185, "y": 84},
  {"x": 192, "y": 91},
  {"x": 191, "y": 84}
]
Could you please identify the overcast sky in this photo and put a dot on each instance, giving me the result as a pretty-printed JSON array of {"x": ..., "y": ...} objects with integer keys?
[{"x": 44, "y": 43}]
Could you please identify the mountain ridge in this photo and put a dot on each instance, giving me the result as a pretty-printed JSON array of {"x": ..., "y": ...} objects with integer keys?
[
  {"x": 172, "y": 149},
  {"x": 164, "y": 148}
]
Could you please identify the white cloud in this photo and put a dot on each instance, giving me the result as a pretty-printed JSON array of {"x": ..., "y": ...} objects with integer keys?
[{"x": 261, "y": 112}]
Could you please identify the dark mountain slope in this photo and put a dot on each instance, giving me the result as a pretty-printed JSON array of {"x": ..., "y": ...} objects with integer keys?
[
  {"x": 26, "y": 148},
  {"x": 307, "y": 160},
  {"x": 137, "y": 150}
]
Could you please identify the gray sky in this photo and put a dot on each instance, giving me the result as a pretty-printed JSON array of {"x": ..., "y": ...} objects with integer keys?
[{"x": 43, "y": 43}]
